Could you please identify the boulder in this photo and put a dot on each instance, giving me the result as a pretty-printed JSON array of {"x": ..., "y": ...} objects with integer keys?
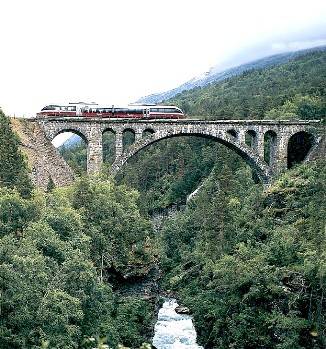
[{"x": 182, "y": 310}]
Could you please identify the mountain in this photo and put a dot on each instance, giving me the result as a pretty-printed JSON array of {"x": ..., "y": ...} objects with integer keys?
[
  {"x": 216, "y": 75},
  {"x": 71, "y": 142},
  {"x": 293, "y": 89}
]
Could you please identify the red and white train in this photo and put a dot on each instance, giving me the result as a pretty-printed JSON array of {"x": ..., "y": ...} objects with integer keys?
[{"x": 93, "y": 110}]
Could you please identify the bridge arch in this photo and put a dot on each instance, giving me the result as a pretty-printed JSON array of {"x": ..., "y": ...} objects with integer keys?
[
  {"x": 270, "y": 144},
  {"x": 109, "y": 145},
  {"x": 147, "y": 132},
  {"x": 232, "y": 132},
  {"x": 75, "y": 131},
  {"x": 128, "y": 138},
  {"x": 78, "y": 164},
  {"x": 246, "y": 152},
  {"x": 300, "y": 144},
  {"x": 251, "y": 138}
]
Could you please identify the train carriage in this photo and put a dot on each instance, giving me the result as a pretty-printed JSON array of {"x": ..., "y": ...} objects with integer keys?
[{"x": 94, "y": 110}]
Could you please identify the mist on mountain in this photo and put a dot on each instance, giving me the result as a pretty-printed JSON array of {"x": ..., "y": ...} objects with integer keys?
[{"x": 240, "y": 63}]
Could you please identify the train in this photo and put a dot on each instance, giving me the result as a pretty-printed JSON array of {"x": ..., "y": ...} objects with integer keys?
[{"x": 92, "y": 110}]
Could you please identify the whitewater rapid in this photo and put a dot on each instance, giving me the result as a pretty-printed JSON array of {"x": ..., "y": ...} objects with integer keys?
[{"x": 172, "y": 330}]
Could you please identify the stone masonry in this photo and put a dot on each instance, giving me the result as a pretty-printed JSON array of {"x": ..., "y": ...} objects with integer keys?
[
  {"x": 231, "y": 133},
  {"x": 44, "y": 160}
]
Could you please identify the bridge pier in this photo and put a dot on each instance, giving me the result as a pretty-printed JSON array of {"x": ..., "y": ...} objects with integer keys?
[
  {"x": 94, "y": 152},
  {"x": 138, "y": 135},
  {"x": 118, "y": 144},
  {"x": 279, "y": 154},
  {"x": 260, "y": 145},
  {"x": 241, "y": 136}
]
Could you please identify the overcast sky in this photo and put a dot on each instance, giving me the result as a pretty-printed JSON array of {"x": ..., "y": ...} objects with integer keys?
[{"x": 113, "y": 52}]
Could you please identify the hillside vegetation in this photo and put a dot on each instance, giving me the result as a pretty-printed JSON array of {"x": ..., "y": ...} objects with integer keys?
[
  {"x": 249, "y": 263},
  {"x": 167, "y": 171},
  {"x": 13, "y": 170},
  {"x": 64, "y": 256},
  {"x": 256, "y": 92}
]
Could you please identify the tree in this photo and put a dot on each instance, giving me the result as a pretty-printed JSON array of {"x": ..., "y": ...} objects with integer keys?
[
  {"x": 120, "y": 235},
  {"x": 13, "y": 172}
]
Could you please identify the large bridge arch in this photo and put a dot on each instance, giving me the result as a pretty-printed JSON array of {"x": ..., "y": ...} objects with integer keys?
[{"x": 246, "y": 152}]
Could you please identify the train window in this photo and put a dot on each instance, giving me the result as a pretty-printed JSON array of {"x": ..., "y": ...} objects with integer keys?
[
  {"x": 121, "y": 110},
  {"x": 154, "y": 110},
  {"x": 135, "y": 111},
  {"x": 49, "y": 107},
  {"x": 72, "y": 108}
]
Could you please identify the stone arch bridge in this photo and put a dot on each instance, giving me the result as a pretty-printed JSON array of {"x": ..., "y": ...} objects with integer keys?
[{"x": 246, "y": 138}]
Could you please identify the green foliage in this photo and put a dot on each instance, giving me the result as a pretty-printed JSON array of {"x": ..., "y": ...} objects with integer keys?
[
  {"x": 300, "y": 107},
  {"x": 134, "y": 320},
  {"x": 76, "y": 156},
  {"x": 251, "y": 264},
  {"x": 50, "y": 185},
  {"x": 166, "y": 172},
  {"x": 121, "y": 237},
  {"x": 256, "y": 92},
  {"x": 13, "y": 172},
  {"x": 16, "y": 212},
  {"x": 52, "y": 290},
  {"x": 108, "y": 147}
]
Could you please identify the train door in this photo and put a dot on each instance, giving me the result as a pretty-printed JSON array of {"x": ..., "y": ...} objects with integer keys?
[
  {"x": 78, "y": 110},
  {"x": 146, "y": 112}
]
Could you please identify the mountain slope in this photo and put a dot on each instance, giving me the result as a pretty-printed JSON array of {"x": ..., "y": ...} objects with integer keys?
[
  {"x": 215, "y": 75},
  {"x": 168, "y": 171},
  {"x": 255, "y": 92}
]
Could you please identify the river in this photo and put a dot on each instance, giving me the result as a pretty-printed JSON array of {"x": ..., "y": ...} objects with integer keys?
[{"x": 172, "y": 330}]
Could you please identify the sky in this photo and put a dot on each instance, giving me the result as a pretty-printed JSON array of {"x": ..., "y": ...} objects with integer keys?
[{"x": 114, "y": 52}]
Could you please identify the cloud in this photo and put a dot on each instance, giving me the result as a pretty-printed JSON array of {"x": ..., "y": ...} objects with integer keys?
[{"x": 296, "y": 45}]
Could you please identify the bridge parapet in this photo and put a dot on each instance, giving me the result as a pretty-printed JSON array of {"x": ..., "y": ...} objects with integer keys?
[{"x": 245, "y": 137}]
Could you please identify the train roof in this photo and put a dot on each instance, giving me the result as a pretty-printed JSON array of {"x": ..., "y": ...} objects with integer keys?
[
  {"x": 152, "y": 105},
  {"x": 83, "y": 103},
  {"x": 109, "y": 106}
]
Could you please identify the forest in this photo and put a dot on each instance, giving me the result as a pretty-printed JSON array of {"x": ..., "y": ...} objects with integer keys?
[{"x": 248, "y": 261}]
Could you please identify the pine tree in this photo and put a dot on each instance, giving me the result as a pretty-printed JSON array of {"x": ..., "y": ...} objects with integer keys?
[
  {"x": 51, "y": 185},
  {"x": 13, "y": 171}
]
